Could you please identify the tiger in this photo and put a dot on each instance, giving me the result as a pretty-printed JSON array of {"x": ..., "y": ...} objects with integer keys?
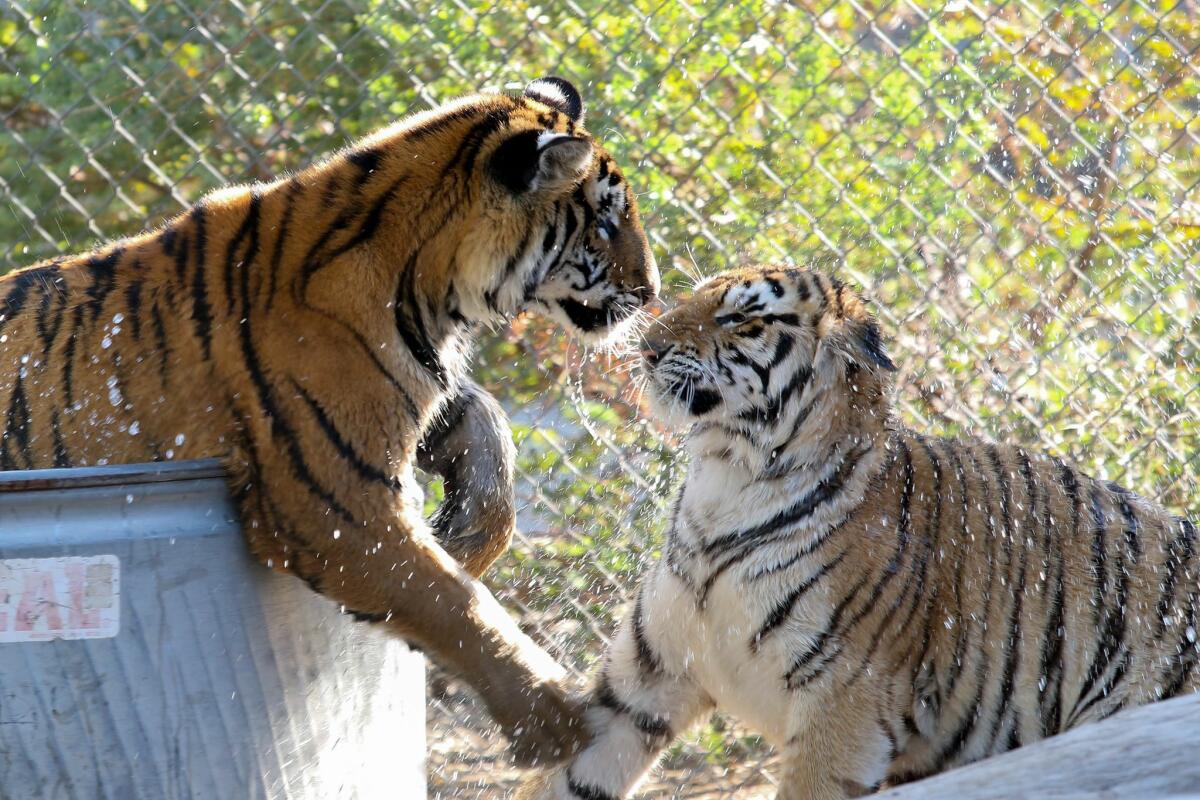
[
  {"x": 314, "y": 333},
  {"x": 878, "y": 603}
]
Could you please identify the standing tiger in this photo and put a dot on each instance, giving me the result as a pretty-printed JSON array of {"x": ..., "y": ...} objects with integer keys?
[
  {"x": 313, "y": 331},
  {"x": 880, "y": 604}
]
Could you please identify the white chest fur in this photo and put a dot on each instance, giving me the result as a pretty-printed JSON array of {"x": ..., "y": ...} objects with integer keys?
[{"x": 711, "y": 626}]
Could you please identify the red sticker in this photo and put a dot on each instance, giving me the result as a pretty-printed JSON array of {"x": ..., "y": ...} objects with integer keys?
[{"x": 42, "y": 599}]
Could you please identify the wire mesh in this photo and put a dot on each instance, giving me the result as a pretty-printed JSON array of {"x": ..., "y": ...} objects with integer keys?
[{"x": 1015, "y": 184}]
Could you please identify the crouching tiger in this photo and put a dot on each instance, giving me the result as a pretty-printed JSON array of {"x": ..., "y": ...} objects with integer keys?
[
  {"x": 879, "y": 604},
  {"x": 314, "y": 330}
]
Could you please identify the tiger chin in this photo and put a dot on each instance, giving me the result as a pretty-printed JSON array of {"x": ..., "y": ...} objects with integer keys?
[
  {"x": 314, "y": 333},
  {"x": 879, "y": 604}
]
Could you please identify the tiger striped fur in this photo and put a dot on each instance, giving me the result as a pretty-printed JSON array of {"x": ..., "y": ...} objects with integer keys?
[
  {"x": 314, "y": 330},
  {"x": 880, "y": 604}
]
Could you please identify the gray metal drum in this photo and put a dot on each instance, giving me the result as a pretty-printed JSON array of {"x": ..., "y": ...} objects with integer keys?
[{"x": 144, "y": 654}]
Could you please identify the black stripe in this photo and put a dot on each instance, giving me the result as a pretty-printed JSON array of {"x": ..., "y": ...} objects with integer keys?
[
  {"x": 69, "y": 358},
  {"x": 102, "y": 271},
  {"x": 16, "y": 429},
  {"x": 571, "y": 226},
  {"x": 805, "y": 506},
  {"x": 344, "y": 449},
  {"x": 21, "y": 282},
  {"x": 958, "y": 662},
  {"x": 372, "y": 353},
  {"x": 201, "y": 314},
  {"x": 1113, "y": 635},
  {"x": 367, "y": 160},
  {"x": 914, "y": 589},
  {"x": 1051, "y": 670},
  {"x": 282, "y": 234},
  {"x": 437, "y": 124},
  {"x": 371, "y": 220},
  {"x": 657, "y": 730},
  {"x": 1179, "y": 555},
  {"x": 783, "y": 609},
  {"x": 1132, "y": 524},
  {"x": 648, "y": 660},
  {"x": 280, "y": 427},
  {"x": 316, "y": 258},
  {"x": 175, "y": 245},
  {"x": 164, "y": 349},
  {"x": 951, "y": 749},
  {"x": 585, "y": 791},
  {"x": 1099, "y": 570},
  {"x": 510, "y": 267},
  {"x": 1112, "y": 629},
  {"x": 1187, "y": 649},
  {"x": 1012, "y": 645},
  {"x": 815, "y": 650},
  {"x": 904, "y": 535},
  {"x": 750, "y": 548},
  {"x": 50, "y": 315},
  {"x": 1106, "y": 689},
  {"x": 133, "y": 300},
  {"x": 472, "y": 142},
  {"x": 249, "y": 227},
  {"x": 411, "y": 327}
]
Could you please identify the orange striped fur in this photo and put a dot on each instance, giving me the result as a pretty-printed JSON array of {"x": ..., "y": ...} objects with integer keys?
[{"x": 313, "y": 331}]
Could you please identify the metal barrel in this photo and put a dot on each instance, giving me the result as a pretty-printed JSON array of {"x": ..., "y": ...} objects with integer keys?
[{"x": 145, "y": 654}]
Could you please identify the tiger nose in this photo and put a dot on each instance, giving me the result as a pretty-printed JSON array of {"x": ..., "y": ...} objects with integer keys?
[
  {"x": 644, "y": 294},
  {"x": 652, "y": 351},
  {"x": 647, "y": 280}
]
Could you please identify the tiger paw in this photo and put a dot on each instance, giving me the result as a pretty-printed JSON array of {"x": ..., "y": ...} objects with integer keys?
[
  {"x": 543, "y": 724},
  {"x": 471, "y": 447},
  {"x": 539, "y": 787},
  {"x": 475, "y": 531}
]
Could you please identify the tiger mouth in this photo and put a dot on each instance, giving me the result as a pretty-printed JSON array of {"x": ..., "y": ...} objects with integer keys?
[
  {"x": 685, "y": 392},
  {"x": 592, "y": 318}
]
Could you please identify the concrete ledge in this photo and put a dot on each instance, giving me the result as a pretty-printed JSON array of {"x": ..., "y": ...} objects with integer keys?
[{"x": 1148, "y": 753}]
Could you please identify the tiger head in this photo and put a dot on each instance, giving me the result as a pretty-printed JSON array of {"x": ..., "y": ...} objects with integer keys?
[
  {"x": 752, "y": 346},
  {"x": 546, "y": 219}
]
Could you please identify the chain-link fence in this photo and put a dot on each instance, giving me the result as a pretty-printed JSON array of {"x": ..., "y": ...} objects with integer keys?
[{"x": 1015, "y": 184}]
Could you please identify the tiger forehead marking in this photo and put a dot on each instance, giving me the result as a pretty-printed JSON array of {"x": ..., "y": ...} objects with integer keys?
[
  {"x": 314, "y": 332},
  {"x": 878, "y": 603}
]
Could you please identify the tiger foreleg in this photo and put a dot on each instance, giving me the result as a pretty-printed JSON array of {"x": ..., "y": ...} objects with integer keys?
[
  {"x": 640, "y": 704},
  {"x": 839, "y": 751},
  {"x": 470, "y": 445}
]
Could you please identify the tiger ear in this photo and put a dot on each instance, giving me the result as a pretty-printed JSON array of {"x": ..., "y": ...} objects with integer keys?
[
  {"x": 540, "y": 160},
  {"x": 559, "y": 95},
  {"x": 867, "y": 342}
]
